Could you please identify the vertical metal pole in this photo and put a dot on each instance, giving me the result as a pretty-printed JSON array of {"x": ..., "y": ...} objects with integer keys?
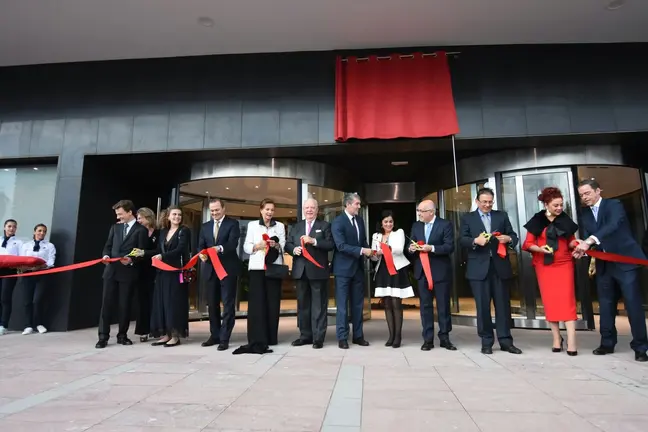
[{"x": 454, "y": 161}]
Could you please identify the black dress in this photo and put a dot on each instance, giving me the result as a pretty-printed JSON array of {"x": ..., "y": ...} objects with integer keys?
[
  {"x": 146, "y": 287},
  {"x": 170, "y": 312}
]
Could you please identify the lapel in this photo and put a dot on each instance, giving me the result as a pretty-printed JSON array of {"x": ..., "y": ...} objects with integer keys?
[
  {"x": 302, "y": 228},
  {"x": 121, "y": 230},
  {"x": 597, "y": 220},
  {"x": 217, "y": 240},
  {"x": 480, "y": 222}
]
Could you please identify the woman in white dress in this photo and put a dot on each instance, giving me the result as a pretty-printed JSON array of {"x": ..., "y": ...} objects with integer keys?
[{"x": 392, "y": 288}]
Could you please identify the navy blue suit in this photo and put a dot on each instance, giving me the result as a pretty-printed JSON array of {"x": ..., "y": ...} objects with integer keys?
[
  {"x": 348, "y": 268},
  {"x": 442, "y": 238},
  {"x": 612, "y": 229},
  {"x": 229, "y": 234}
]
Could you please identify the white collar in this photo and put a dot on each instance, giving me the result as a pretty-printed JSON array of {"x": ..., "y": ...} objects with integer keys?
[
  {"x": 598, "y": 203},
  {"x": 348, "y": 215},
  {"x": 131, "y": 223},
  {"x": 220, "y": 221}
]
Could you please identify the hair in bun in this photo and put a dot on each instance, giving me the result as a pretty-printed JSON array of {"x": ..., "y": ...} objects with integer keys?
[{"x": 549, "y": 194}]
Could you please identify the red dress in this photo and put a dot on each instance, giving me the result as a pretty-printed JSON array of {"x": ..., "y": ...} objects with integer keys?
[{"x": 556, "y": 280}]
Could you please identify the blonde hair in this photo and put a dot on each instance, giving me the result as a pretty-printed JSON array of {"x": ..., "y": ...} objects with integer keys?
[{"x": 149, "y": 215}]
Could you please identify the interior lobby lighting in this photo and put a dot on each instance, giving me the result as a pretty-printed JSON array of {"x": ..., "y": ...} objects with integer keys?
[
  {"x": 399, "y": 163},
  {"x": 35, "y": 169},
  {"x": 226, "y": 188}
]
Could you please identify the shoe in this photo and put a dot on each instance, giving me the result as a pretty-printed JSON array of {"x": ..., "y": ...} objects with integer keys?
[
  {"x": 603, "y": 350},
  {"x": 572, "y": 353},
  {"x": 389, "y": 342},
  {"x": 396, "y": 343},
  {"x": 360, "y": 341},
  {"x": 124, "y": 341},
  {"x": 557, "y": 350},
  {"x": 210, "y": 342},
  {"x": 318, "y": 345},
  {"x": 41, "y": 329},
  {"x": 101, "y": 344},
  {"x": 343, "y": 344},
  {"x": 487, "y": 350},
  {"x": 448, "y": 345},
  {"x": 301, "y": 342},
  {"x": 143, "y": 339},
  {"x": 159, "y": 343},
  {"x": 512, "y": 349},
  {"x": 28, "y": 331},
  {"x": 641, "y": 356},
  {"x": 223, "y": 346},
  {"x": 427, "y": 346},
  {"x": 168, "y": 345},
  {"x": 3, "y": 331}
]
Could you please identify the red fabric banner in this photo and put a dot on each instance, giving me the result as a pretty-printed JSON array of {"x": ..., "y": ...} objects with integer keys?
[
  {"x": 622, "y": 259},
  {"x": 13, "y": 261},
  {"x": 501, "y": 249},
  {"x": 425, "y": 264},
  {"x": 388, "y": 258},
  {"x": 396, "y": 97},
  {"x": 308, "y": 256}
]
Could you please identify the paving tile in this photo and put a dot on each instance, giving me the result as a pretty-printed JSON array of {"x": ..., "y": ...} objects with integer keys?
[
  {"x": 389, "y": 420},
  {"x": 530, "y": 422},
  {"x": 618, "y": 422},
  {"x": 269, "y": 418},
  {"x": 166, "y": 415}
]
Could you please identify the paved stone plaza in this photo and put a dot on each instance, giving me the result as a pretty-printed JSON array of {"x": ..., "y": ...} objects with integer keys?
[{"x": 59, "y": 382}]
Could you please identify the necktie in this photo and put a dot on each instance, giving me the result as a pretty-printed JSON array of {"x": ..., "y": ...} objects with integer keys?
[
  {"x": 36, "y": 245},
  {"x": 595, "y": 212},
  {"x": 428, "y": 228},
  {"x": 125, "y": 230},
  {"x": 5, "y": 241},
  {"x": 487, "y": 222},
  {"x": 309, "y": 225},
  {"x": 355, "y": 225},
  {"x": 216, "y": 228}
]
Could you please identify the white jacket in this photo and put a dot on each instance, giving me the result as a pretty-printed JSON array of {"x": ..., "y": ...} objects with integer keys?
[
  {"x": 396, "y": 241},
  {"x": 255, "y": 231}
]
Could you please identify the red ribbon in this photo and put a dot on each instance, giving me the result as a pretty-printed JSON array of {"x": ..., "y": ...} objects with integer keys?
[
  {"x": 266, "y": 238},
  {"x": 425, "y": 263},
  {"x": 308, "y": 256},
  {"x": 611, "y": 257},
  {"x": 501, "y": 249},
  {"x": 388, "y": 258}
]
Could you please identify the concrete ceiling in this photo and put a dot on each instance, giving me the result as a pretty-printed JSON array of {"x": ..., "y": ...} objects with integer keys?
[{"x": 56, "y": 31}]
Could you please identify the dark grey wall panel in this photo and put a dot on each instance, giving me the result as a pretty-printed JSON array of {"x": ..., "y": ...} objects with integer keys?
[
  {"x": 15, "y": 139},
  {"x": 80, "y": 140},
  {"x": 466, "y": 90},
  {"x": 223, "y": 124},
  {"x": 47, "y": 137},
  {"x": 260, "y": 123},
  {"x": 115, "y": 135},
  {"x": 150, "y": 133},
  {"x": 298, "y": 121},
  {"x": 187, "y": 127},
  {"x": 326, "y": 117},
  {"x": 547, "y": 103}
]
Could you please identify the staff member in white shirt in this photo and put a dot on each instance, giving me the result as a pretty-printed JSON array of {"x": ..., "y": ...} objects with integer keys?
[
  {"x": 33, "y": 285},
  {"x": 264, "y": 295},
  {"x": 9, "y": 245}
]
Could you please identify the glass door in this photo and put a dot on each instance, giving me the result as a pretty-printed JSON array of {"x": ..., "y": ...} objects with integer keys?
[{"x": 519, "y": 196}]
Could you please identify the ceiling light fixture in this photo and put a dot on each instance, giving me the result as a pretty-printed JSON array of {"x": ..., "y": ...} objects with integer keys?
[
  {"x": 256, "y": 187},
  {"x": 35, "y": 169},
  {"x": 226, "y": 188},
  {"x": 615, "y": 5},
  {"x": 206, "y": 22},
  {"x": 400, "y": 163},
  {"x": 325, "y": 200},
  {"x": 7, "y": 169},
  {"x": 289, "y": 188},
  {"x": 207, "y": 192}
]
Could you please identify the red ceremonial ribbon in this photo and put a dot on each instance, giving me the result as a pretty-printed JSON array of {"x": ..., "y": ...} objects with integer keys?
[
  {"x": 266, "y": 238},
  {"x": 308, "y": 256},
  {"x": 425, "y": 263},
  {"x": 389, "y": 259},
  {"x": 612, "y": 257},
  {"x": 501, "y": 249}
]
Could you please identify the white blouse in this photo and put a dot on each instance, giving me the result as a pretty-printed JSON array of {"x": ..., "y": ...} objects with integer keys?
[
  {"x": 397, "y": 242},
  {"x": 47, "y": 251},
  {"x": 255, "y": 231},
  {"x": 13, "y": 246}
]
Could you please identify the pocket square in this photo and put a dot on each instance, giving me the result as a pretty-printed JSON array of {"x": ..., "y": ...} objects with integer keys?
[{"x": 318, "y": 231}]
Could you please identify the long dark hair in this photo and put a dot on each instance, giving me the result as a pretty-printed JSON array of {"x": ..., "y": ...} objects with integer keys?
[
  {"x": 384, "y": 215},
  {"x": 4, "y": 231}
]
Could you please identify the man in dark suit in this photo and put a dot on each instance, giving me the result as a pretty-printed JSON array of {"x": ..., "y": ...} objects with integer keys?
[
  {"x": 120, "y": 277},
  {"x": 487, "y": 272},
  {"x": 438, "y": 236},
  {"x": 604, "y": 224},
  {"x": 351, "y": 247},
  {"x": 221, "y": 233},
  {"x": 312, "y": 281}
]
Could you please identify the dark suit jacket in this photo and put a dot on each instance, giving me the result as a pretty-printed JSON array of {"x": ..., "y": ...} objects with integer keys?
[
  {"x": 479, "y": 258},
  {"x": 321, "y": 232},
  {"x": 612, "y": 229},
  {"x": 117, "y": 247},
  {"x": 229, "y": 234},
  {"x": 176, "y": 251},
  {"x": 347, "y": 257},
  {"x": 442, "y": 238}
]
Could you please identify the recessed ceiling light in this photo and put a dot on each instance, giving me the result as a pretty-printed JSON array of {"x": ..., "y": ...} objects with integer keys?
[
  {"x": 226, "y": 188},
  {"x": 206, "y": 192},
  {"x": 290, "y": 211},
  {"x": 400, "y": 163},
  {"x": 206, "y": 22},
  {"x": 289, "y": 188},
  {"x": 325, "y": 200},
  {"x": 6, "y": 169},
  {"x": 313, "y": 193},
  {"x": 256, "y": 187},
  {"x": 615, "y": 4},
  {"x": 242, "y": 211},
  {"x": 35, "y": 169}
]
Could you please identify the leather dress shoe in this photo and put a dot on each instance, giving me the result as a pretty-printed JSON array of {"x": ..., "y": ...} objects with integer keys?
[
  {"x": 427, "y": 346},
  {"x": 300, "y": 342},
  {"x": 512, "y": 349},
  {"x": 641, "y": 356},
  {"x": 318, "y": 345},
  {"x": 210, "y": 342},
  {"x": 124, "y": 341},
  {"x": 361, "y": 342},
  {"x": 223, "y": 346},
  {"x": 448, "y": 345},
  {"x": 603, "y": 350},
  {"x": 101, "y": 344},
  {"x": 343, "y": 344},
  {"x": 487, "y": 350}
]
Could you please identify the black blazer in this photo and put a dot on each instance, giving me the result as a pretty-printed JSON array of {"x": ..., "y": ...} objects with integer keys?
[
  {"x": 147, "y": 271},
  {"x": 229, "y": 235},
  {"x": 479, "y": 258},
  {"x": 117, "y": 247},
  {"x": 176, "y": 252},
  {"x": 442, "y": 238},
  {"x": 321, "y": 232},
  {"x": 612, "y": 229},
  {"x": 347, "y": 258}
]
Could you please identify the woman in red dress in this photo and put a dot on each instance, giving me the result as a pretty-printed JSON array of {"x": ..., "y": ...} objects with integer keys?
[{"x": 550, "y": 236}]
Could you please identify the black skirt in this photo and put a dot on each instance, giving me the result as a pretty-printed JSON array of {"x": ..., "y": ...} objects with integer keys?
[
  {"x": 170, "y": 309},
  {"x": 393, "y": 286}
]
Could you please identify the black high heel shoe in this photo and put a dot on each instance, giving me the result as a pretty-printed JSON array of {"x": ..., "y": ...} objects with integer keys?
[
  {"x": 557, "y": 350},
  {"x": 572, "y": 353}
]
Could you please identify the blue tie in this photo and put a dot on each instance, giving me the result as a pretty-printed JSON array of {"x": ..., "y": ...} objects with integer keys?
[
  {"x": 428, "y": 228},
  {"x": 595, "y": 211}
]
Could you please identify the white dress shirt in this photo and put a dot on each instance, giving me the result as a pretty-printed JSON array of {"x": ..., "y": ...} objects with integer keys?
[
  {"x": 219, "y": 248},
  {"x": 595, "y": 213},
  {"x": 254, "y": 235},
  {"x": 13, "y": 246},
  {"x": 130, "y": 225},
  {"x": 47, "y": 251},
  {"x": 397, "y": 242}
]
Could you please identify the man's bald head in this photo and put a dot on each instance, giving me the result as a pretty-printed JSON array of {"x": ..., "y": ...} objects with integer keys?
[{"x": 426, "y": 210}]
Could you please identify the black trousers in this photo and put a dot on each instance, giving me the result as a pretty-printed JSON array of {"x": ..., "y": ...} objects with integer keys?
[
  {"x": 6, "y": 298},
  {"x": 495, "y": 289},
  {"x": 34, "y": 291},
  {"x": 111, "y": 289},
  {"x": 145, "y": 289},
  {"x": 312, "y": 305},
  {"x": 221, "y": 326},
  {"x": 440, "y": 292},
  {"x": 264, "y": 304}
]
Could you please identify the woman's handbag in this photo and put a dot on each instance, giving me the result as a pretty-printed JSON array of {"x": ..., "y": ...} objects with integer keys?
[{"x": 275, "y": 271}]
